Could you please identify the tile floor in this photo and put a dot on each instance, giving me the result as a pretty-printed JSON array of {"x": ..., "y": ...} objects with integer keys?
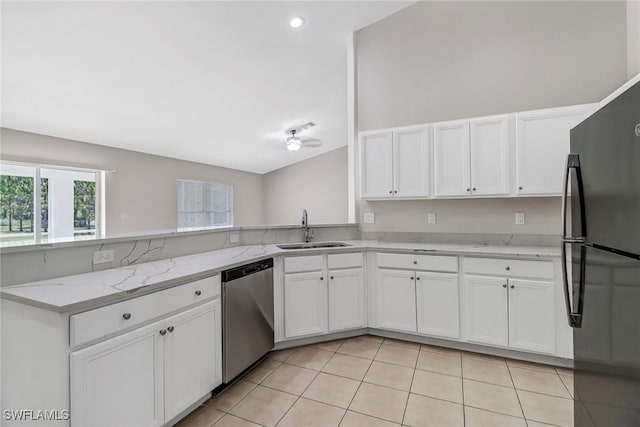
[{"x": 373, "y": 381}]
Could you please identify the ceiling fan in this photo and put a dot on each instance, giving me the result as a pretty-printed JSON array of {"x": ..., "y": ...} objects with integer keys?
[{"x": 294, "y": 142}]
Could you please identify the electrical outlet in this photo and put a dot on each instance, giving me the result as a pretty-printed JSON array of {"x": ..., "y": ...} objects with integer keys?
[
  {"x": 369, "y": 218},
  {"x": 519, "y": 218},
  {"x": 102, "y": 257},
  {"x": 234, "y": 238},
  {"x": 431, "y": 217}
]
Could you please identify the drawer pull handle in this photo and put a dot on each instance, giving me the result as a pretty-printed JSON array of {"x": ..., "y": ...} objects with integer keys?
[
  {"x": 126, "y": 316},
  {"x": 170, "y": 328},
  {"x": 163, "y": 332},
  {"x": 508, "y": 268},
  {"x": 198, "y": 292},
  {"x": 504, "y": 286}
]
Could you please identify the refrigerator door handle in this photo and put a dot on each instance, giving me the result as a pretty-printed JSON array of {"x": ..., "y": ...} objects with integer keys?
[
  {"x": 573, "y": 162},
  {"x": 574, "y": 317}
]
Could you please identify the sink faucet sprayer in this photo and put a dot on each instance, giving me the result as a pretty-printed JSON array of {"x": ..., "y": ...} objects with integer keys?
[{"x": 308, "y": 234}]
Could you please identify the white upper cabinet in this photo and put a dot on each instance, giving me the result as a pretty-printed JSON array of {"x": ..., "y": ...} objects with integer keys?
[
  {"x": 451, "y": 158},
  {"x": 395, "y": 164},
  {"x": 411, "y": 162},
  {"x": 376, "y": 165},
  {"x": 490, "y": 156},
  {"x": 542, "y": 145}
]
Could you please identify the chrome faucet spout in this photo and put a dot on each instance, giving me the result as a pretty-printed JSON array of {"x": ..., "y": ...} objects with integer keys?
[{"x": 308, "y": 233}]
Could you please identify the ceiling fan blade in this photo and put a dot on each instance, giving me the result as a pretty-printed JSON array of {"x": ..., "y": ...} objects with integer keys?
[{"x": 311, "y": 142}]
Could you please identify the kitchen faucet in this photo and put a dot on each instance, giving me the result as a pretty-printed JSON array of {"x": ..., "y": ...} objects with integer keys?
[{"x": 308, "y": 234}]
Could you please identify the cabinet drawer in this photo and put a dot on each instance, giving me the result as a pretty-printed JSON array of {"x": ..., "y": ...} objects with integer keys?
[
  {"x": 94, "y": 324},
  {"x": 509, "y": 267},
  {"x": 418, "y": 262},
  {"x": 345, "y": 260},
  {"x": 297, "y": 264}
]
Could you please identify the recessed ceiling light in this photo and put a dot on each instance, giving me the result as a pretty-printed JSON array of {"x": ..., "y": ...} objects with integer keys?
[{"x": 297, "y": 22}]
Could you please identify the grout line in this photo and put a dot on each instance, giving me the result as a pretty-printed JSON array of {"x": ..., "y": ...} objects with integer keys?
[
  {"x": 516, "y": 391},
  {"x": 406, "y": 404},
  {"x": 495, "y": 412},
  {"x": 361, "y": 382},
  {"x": 464, "y": 414}
]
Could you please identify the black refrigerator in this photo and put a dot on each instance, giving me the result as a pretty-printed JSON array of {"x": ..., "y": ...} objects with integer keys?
[{"x": 601, "y": 262}]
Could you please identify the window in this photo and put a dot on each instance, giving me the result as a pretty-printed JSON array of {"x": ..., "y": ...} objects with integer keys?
[
  {"x": 204, "y": 205},
  {"x": 62, "y": 207}
]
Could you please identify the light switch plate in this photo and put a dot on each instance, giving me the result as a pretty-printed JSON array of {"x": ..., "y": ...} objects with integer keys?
[
  {"x": 369, "y": 218},
  {"x": 234, "y": 238},
  {"x": 431, "y": 217},
  {"x": 519, "y": 218},
  {"x": 102, "y": 257}
]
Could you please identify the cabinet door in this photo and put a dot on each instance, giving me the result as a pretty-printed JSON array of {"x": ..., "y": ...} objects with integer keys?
[
  {"x": 192, "y": 356},
  {"x": 376, "y": 165},
  {"x": 305, "y": 305},
  {"x": 542, "y": 145},
  {"x": 485, "y": 308},
  {"x": 437, "y": 304},
  {"x": 411, "y": 162},
  {"x": 532, "y": 322},
  {"x": 396, "y": 300},
  {"x": 346, "y": 299},
  {"x": 490, "y": 159},
  {"x": 451, "y": 151},
  {"x": 119, "y": 382}
]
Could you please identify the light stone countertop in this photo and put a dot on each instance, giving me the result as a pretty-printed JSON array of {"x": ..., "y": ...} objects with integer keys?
[{"x": 89, "y": 290}]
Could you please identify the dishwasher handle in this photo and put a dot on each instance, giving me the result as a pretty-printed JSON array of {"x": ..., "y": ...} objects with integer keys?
[{"x": 247, "y": 270}]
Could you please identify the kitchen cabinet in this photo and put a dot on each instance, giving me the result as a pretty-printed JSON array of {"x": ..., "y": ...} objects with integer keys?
[
  {"x": 509, "y": 311},
  {"x": 396, "y": 300},
  {"x": 542, "y": 145},
  {"x": 395, "y": 164},
  {"x": 329, "y": 298},
  {"x": 472, "y": 157},
  {"x": 437, "y": 299}
]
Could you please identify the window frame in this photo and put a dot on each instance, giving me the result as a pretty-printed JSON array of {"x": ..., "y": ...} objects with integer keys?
[{"x": 230, "y": 211}]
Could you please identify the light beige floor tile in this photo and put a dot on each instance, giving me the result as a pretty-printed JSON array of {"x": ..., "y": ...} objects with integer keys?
[
  {"x": 564, "y": 371},
  {"x": 289, "y": 378},
  {"x": 389, "y": 375},
  {"x": 439, "y": 362},
  {"x": 328, "y": 345},
  {"x": 347, "y": 366},
  {"x": 401, "y": 343},
  {"x": 484, "y": 357},
  {"x": 538, "y": 381},
  {"x": 568, "y": 383},
  {"x": 474, "y": 417},
  {"x": 491, "y": 397},
  {"x": 354, "y": 419},
  {"x": 489, "y": 372},
  {"x": 546, "y": 409},
  {"x": 440, "y": 386},
  {"x": 228, "y": 398},
  {"x": 512, "y": 363},
  {"x": 537, "y": 424},
  {"x": 261, "y": 371},
  {"x": 203, "y": 416},
  {"x": 309, "y": 357},
  {"x": 428, "y": 412},
  {"x": 309, "y": 413},
  {"x": 331, "y": 389},
  {"x": 264, "y": 406},
  {"x": 381, "y": 402},
  {"x": 441, "y": 350},
  {"x": 359, "y": 348},
  {"x": 232, "y": 421},
  {"x": 281, "y": 355},
  {"x": 397, "y": 355}
]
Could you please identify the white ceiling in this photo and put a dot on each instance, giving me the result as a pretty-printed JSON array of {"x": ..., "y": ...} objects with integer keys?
[{"x": 212, "y": 82}]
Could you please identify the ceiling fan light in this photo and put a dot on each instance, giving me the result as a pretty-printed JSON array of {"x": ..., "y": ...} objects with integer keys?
[{"x": 293, "y": 144}]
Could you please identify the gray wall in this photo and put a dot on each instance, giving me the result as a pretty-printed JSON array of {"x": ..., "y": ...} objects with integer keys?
[
  {"x": 444, "y": 60},
  {"x": 318, "y": 185},
  {"x": 141, "y": 195},
  {"x": 633, "y": 37}
]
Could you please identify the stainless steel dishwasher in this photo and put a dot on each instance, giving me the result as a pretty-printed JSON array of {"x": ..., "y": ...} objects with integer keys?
[{"x": 247, "y": 316}]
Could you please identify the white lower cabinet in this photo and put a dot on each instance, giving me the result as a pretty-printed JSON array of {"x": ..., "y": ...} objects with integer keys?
[
  {"x": 437, "y": 304},
  {"x": 486, "y": 310},
  {"x": 328, "y": 299},
  {"x": 396, "y": 300},
  {"x": 149, "y": 375}
]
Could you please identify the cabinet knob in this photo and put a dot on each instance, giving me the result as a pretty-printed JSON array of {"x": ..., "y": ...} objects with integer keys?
[
  {"x": 170, "y": 328},
  {"x": 331, "y": 277},
  {"x": 512, "y": 286},
  {"x": 519, "y": 188},
  {"x": 322, "y": 278},
  {"x": 126, "y": 316},
  {"x": 507, "y": 268},
  {"x": 411, "y": 278},
  {"x": 504, "y": 286},
  {"x": 474, "y": 188},
  {"x": 417, "y": 278},
  {"x": 198, "y": 292},
  {"x": 468, "y": 189},
  {"x": 163, "y": 332},
  {"x": 390, "y": 192},
  {"x": 395, "y": 191},
  {"x": 415, "y": 262}
]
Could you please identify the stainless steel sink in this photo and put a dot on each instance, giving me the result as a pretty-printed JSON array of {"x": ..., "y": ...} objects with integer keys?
[{"x": 316, "y": 245}]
